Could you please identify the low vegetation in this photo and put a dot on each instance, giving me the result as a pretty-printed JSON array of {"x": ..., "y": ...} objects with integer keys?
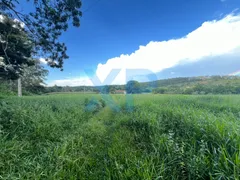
[
  {"x": 92, "y": 137},
  {"x": 205, "y": 85},
  {"x": 197, "y": 85}
]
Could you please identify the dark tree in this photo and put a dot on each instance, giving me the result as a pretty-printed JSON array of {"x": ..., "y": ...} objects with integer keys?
[
  {"x": 159, "y": 90},
  {"x": 15, "y": 49},
  {"x": 46, "y": 24},
  {"x": 133, "y": 87}
]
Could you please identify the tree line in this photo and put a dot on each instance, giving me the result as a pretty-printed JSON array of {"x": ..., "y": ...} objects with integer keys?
[
  {"x": 200, "y": 85},
  {"x": 182, "y": 85}
]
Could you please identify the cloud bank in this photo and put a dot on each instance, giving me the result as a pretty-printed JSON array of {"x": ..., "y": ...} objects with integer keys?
[
  {"x": 76, "y": 81},
  {"x": 213, "y": 39}
]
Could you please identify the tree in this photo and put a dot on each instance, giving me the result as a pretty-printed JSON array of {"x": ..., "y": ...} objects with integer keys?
[
  {"x": 33, "y": 78},
  {"x": 159, "y": 90},
  {"x": 237, "y": 90},
  {"x": 112, "y": 89},
  {"x": 104, "y": 89},
  {"x": 188, "y": 90},
  {"x": 133, "y": 87},
  {"x": 46, "y": 24},
  {"x": 15, "y": 48}
]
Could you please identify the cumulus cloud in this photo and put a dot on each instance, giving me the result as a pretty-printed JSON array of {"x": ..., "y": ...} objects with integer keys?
[
  {"x": 77, "y": 81},
  {"x": 226, "y": 64},
  {"x": 211, "y": 39}
]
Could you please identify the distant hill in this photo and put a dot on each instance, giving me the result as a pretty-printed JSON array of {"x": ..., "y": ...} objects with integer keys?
[
  {"x": 181, "y": 85},
  {"x": 196, "y": 85}
]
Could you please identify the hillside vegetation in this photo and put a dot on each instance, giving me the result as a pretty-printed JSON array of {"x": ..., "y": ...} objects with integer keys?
[
  {"x": 182, "y": 85},
  {"x": 90, "y": 137},
  {"x": 197, "y": 85}
]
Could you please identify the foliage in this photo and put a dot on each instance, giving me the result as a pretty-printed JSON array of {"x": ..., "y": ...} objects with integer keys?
[
  {"x": 112, "y": 89},
  {"x": 5, "y": 89},
  {"x": 133, "y": 87},
  {"x": 199, "y": 85},
  {"x": 164, "y": 137},
  {"x": 191, "y": 85},
  {"x": 46, "y": 24},
  {"x": 32, "y": 80},
  {"x": 159, "y": 90},
  {"x": 15, "y": 49}
]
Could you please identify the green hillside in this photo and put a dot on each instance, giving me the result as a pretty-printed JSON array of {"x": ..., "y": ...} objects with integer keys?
[{"x": 196, "y": 85}]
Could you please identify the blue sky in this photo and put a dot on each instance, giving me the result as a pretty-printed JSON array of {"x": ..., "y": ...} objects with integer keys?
[{"x": 111, "y": 28}]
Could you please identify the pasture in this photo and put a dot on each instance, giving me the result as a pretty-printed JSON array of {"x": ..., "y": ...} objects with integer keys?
[{"x": 84, "y": 136}]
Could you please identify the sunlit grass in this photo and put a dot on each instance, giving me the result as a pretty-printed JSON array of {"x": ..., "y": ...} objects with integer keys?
[{"x": 84, "y": 136}]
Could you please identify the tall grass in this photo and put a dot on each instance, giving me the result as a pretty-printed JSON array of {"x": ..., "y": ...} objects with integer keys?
[{"x": 83, "y": 137}]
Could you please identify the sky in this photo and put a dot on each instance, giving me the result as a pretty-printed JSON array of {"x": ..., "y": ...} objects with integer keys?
[{"x": 121, "y": 40}]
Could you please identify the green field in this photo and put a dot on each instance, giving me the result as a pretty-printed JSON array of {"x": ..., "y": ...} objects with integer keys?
[{"x": 86, "y": 137}]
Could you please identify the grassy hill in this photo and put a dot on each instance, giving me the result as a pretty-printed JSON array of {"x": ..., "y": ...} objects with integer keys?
[{"x": 196, "y": 85}]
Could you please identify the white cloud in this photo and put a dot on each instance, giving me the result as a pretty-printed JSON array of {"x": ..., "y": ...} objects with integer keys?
[
  {"x": 213, "y": 38},
  {"x": 77, "y": 81},
  {"x": 42, "y": 60}
]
